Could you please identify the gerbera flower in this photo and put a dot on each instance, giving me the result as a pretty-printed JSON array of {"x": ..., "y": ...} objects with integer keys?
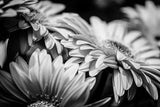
[
  {"x": 8, "y": 8},
  {"x": 134, "y": 60},
  {"x": 45, "y": 83},
  {"x": 146, "y": 18},
  {"x": 39, "y": 18},
  {"x": 34, "y": 18}
]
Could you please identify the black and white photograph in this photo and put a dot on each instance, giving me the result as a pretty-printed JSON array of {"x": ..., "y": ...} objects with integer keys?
[{"x": 79, "y": 53}]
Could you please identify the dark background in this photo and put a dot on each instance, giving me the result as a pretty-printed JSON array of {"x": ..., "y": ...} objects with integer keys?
[{"x": 109, "y": 10}]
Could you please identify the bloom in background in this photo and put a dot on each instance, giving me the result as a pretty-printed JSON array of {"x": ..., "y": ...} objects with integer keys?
[
  {"x": 39, "y": 18},
  {"x": 146, "y": 19},
  {"x": 46, "y": 83},
  {"x": 1, "y": 11},
  {"x": 33, "y": 18},
  {"x": 134, "y": 60},
  {"x": 3, "y": 52},
  {"x": 8, "y": 7}
]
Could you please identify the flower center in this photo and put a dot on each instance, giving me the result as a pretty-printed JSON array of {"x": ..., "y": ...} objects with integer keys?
[
  {"x": 41, "y": 104},
  {"x": 34, "y": 16},
  {"x": 117, "y": 46},
  {"x": 46, "y": 101}
]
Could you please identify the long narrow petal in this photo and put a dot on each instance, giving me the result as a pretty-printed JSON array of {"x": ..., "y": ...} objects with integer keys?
[
  {"x": 22, "y": 63},
  {"x": 7, "y": 82},
  {"x": 76, "y": 97},
  {"x": 34, "y": 66},
  {"x": 118, "y": 83},
  {"x": 99, "y": 103},
  {"x": 45, "y": 69},
  {"x": 3, "y": 52}
]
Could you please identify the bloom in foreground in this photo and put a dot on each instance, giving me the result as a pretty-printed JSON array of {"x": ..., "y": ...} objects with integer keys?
[
  {"x": 146, "y": 18},
  {"x": 44, "y": 83},
  {"x": 134, "y": 60}
]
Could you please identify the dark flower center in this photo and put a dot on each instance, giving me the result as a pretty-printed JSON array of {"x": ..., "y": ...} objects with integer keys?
[
  {"x": 46, "y": 101},
  {"x": 34, "y": 16},
  {"x": 117, "y": 46},
  {"x": 41, "y": 104}
]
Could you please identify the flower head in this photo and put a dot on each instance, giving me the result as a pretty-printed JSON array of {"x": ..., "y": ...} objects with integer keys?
[
  {"x": 44, "y": 82},
  {"x": 34, "y": 18},
  {"x": 39, "y": 18},
  {"x": 9, "y": 8},
  {"x": 146, "y": 19},
  {"x": 135, "y": 62}
]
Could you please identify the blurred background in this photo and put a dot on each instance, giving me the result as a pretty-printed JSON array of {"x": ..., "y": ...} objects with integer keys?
[{"x": 106, "y": 9}]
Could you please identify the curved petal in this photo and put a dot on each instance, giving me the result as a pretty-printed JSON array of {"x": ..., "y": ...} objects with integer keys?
[
  {"x": 80, "y": 78},
  {"x": 118, "y": 83},
  {"x": 126, "y": 79},
  {"x": 23, "y": 82},
  {"x": 77, "y": 96},
  {"x": 3, "y": 52},
  {"x": 8, "y": 84},
  {"x": 45, "y": 72},
  {"x": 23, "y": 65},
  {"x": 34, "y": 66},
  {"x": 99, "y": 103}
]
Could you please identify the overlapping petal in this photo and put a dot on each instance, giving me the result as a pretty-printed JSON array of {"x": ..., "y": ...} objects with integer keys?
[
  {"x": 44, "y": 79},
  {"x": 3, "y": 52},
  {"x": 114, "y": 45}
]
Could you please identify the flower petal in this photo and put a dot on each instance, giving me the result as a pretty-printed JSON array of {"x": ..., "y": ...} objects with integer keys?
[
  {"x": 99, "y": 103},
  {"x": 77, "y": 96},
  {"x": 126, "y": 79},
  {"x": 45, "y": 69},
  {"x": 118, "y": 83},
  {"x": 3, "y": 52},
  {"x": 137, "y": 79},
  {"x": 22, "y": 63},
  {"x": 131, "y": 92},
  {"x": 34, "y": 66},
  {"x": 8, "y": 84}
]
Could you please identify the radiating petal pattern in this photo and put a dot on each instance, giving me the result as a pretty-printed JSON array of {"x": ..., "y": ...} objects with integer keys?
[
  {"x": 46, "y": 82},
  {"x": 113, "y": 45}
]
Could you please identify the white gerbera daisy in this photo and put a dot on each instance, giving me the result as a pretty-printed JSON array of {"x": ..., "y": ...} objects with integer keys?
[
  {"x": 39, "y": 18},
  {"x": 35, "y": 19},
  {"x": 146, "y": 18},
  {"x": 8, "y": 8},
  {"x": 134, "y": 60},
  {"x": 46, "y": 83}
]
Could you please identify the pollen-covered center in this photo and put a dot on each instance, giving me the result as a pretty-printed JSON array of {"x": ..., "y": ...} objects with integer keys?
[
  {"x": 34, "y": 16},
  {"x": 42, "y": 104},
  {"x": 46, "y": 101},
  {"x": 117, "y": 46}
]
